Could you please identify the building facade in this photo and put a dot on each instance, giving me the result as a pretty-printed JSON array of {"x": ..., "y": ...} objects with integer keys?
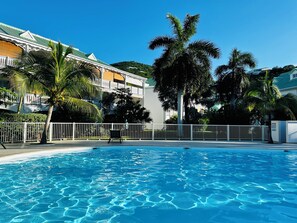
[
  {"x": 154, "y": 105},
  {"x": 15, "y": 41},
  {"x": 287, "y": 82}
]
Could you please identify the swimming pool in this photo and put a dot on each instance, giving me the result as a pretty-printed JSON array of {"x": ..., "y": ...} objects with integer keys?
[{"x": 150, "y": 184}]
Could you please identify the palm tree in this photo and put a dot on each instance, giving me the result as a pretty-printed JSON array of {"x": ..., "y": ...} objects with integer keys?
[
  {"x": 265, "y": 98},
  {"x": 18, "y": 79},
  {"x": 232, "y": 78},
  {"x": 182, "y": 64},
  {"x": 63, "y": 80}
]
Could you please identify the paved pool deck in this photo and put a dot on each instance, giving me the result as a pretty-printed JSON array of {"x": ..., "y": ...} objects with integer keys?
[{"x": 14, "y": 149}]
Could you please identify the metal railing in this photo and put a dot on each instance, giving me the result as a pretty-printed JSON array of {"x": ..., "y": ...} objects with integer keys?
[
  {"x": 111, "y": 85},
  {"x": 4, "y": 61},
  {"x": 11, "y": 132}
]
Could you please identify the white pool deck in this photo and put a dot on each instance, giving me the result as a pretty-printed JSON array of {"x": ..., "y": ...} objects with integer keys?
[{"x": 64, "y": 146}]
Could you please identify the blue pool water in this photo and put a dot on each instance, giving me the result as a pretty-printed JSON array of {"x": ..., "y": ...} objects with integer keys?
[{"x": 145, "y": 184}]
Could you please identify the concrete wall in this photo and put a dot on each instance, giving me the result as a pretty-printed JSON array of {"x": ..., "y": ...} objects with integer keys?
[
  {"x": 291, "y": 131},
  {"x": 153, "y": 104}
]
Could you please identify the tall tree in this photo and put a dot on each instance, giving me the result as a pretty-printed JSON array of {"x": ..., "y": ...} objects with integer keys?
[
  {"x": 265, "y": 98},
  {"x": 182, "y": 64},
  {"x": 232, "y": 77},
  {"x": 63, "y": 80}
]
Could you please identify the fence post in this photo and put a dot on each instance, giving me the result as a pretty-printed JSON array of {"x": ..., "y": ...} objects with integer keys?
[
  {"x": 203, "y": 138},
  {"x": 51, "y": 132},
  {"x": 191, "y": 129},
  {"x": 228, "y": 132},
  {"x": 111, "y": 126},
  {"x": 73, "y": 131},
  {"x": 25, "y": 132},
  {"x": 153, "y": 131},
  {"x": 239, "y": 139}
]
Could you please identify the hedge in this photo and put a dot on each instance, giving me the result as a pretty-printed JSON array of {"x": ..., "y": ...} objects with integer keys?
[{"x": 13, "y": 117}]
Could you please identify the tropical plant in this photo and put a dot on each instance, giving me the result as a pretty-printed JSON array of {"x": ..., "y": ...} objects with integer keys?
[
  {"x": 108, "y": 102},
  {"x": 61, "y": 79},
  {"x": 14, "y": 117},
  {"x": 265, "y": 98},
  {"x": 182, "y": 65},
  {"x": 65, "y": 113},
  {"x": 18, "y": 80},
  {"x": 7, "y": 96},
  {"x": 232, "y": 77},
  {"x": 127, "y": 109}
]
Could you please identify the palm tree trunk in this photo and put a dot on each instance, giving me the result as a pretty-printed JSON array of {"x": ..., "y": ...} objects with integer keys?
[
  {"x": 270, "y": 140},
  {"x": 20, "y": 104},
  {"x": 46, "y": 125},
  {"x": 180, "y": 112},
  {"x": 186, "y": 107}
]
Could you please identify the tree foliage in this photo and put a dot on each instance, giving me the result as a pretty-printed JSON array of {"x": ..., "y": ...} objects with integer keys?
[
  {"x": 127, "y": 109},
  {"x": 65, "y": 113},
  {"x": 265, "y": 98},
  {"x": 183, "y": 68},
  {"x": 133, "y": 67},
  {"x": 276, "y": 71},
  {"x": 232, "y": 77},
  {"x": 7, "y": 97},
  {"x": 53, "y": 74},
  {"x": 14, "y": 117}
]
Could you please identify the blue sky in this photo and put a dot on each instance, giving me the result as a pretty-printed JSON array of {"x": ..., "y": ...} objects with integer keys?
[{"x": 120, "y": 30}]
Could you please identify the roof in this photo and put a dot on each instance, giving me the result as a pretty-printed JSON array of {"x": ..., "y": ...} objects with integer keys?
[
  {"x": 284, "y": 80},
  {"x": 258, "y": 71},
  {"x": 36, "y": 39}
]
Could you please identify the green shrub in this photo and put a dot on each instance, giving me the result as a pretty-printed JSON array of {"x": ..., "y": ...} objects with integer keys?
[
  {"x": 65, "y": 114},
  {"x": 13, "y": 117},
  {"x": 172, "y": 120}
]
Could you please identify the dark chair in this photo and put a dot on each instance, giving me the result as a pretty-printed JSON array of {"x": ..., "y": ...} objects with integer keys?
[
  {"x": 115, "y": 134},
  {"x": 2, "y": 145}
]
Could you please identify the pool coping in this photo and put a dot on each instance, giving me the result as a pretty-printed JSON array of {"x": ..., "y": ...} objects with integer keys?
[{"x": 21, "y": 151}]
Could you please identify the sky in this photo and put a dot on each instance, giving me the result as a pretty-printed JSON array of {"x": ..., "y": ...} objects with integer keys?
[{"x": 120, "y": 30}]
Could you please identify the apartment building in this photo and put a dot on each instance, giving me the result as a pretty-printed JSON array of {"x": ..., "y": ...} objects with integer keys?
[{"x": 14, "y": 41}]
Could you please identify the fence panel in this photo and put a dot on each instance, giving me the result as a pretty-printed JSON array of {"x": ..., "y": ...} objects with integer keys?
[
  {"x": 34, "y": 131},
  {"x": 28, "y": 132},
  {"x": 11, "y": 132},
  {"x": 91, "y": 131},
  {"x": 134, "y": 130},
  {"x": 62, "y": 131}
]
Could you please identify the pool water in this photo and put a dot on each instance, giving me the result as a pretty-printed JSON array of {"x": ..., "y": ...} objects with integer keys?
[{"x": 149, "y": 184}]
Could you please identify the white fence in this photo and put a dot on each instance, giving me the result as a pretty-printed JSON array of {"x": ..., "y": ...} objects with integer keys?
[{"x": 11, "y": 132}]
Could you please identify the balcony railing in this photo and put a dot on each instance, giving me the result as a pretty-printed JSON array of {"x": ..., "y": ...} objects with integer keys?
[
  {"x": 7, "y": 61},
  {"x": 110, "y": 85}
]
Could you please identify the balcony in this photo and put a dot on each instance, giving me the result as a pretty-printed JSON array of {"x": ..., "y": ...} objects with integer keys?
[
  {"x": 6, "y": 61},
  {"x": 112, "y": 86}
]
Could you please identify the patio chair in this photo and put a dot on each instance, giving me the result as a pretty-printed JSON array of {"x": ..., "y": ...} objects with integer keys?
[
  {"x": 115, "y": 134},
  {"x": 2, "y": 145}
]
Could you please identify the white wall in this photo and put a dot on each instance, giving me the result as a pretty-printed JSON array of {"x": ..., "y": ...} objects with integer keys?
[
  {"x": 292, "y": 91},
  {"x": 153, "y": 104},
  {"x": 291, "y": 131}
]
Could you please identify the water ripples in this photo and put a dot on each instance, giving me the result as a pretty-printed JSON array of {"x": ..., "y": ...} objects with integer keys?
[{"x": 152, "y": 185}]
